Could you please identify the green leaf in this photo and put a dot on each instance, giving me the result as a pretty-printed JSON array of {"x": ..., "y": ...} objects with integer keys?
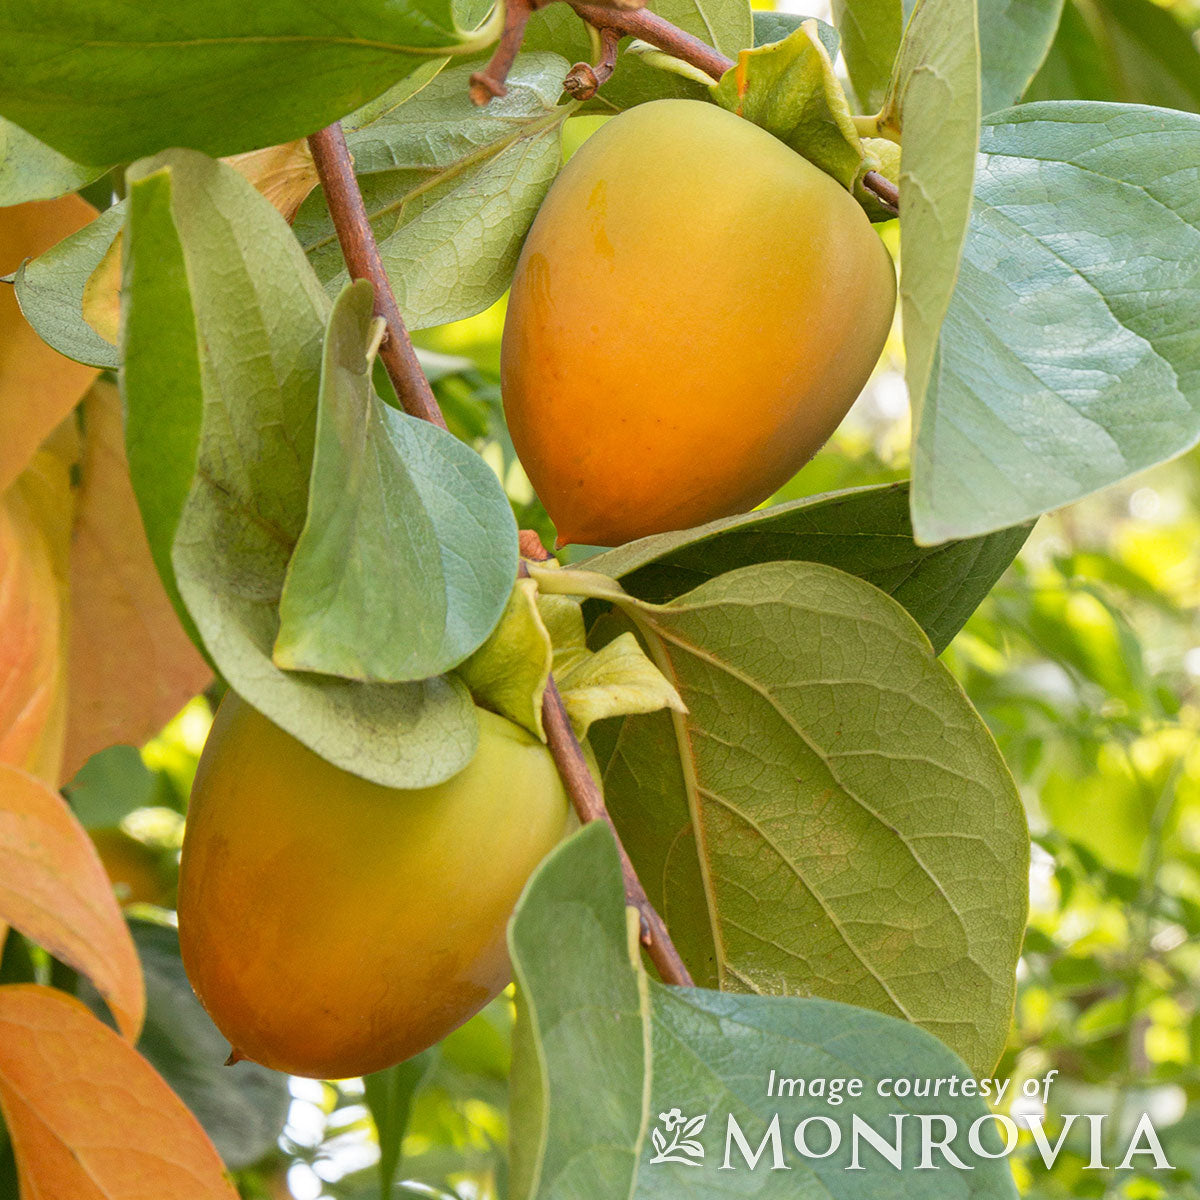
[
  {"x": 509, "y": 672},
  {"x": 1123, "y": 50},
  {"x": 790, "y": 89},
  {"x": 775, "y": 26},
  {"x": 389, "y": 1095},
  {"x": 934, "y": 101},
  {"x": 603, "y": 1054},
  {"x": 408, "y": 553},
  {"x": 831, "y": 817},
  {"x": 543, "y": 633},
  {"x": 1014, "y": 38},
  {"x": 1070, "y": 358},
  {"x": 109, "y": 786},
  {"x": 726, "y": 25},
  {"x": 223, "y": 326},
  {"x": 50, "y": 291},
  {"x": 870, "y": 32},
  {"x": 243, "y": 1107},
  {"x": 866, "y": 532},
  {"x": 451, "y": 189},
  {"x": 31, "y": 170},
  {"x": 104, "y": 81}
]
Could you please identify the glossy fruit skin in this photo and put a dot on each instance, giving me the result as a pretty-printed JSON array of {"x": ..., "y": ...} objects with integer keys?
[
  {"x": 332, "y": 927},
  {"x": 694, "y": 311}
]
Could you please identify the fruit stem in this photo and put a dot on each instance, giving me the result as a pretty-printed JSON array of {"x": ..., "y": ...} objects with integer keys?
[
  {"x": 885, "y": 189},
  {"x": 331, "y": 156},
  {"x": 617, "y": 22},
  {"x": 336, "y": 171},
  {"x": 584, "y": 79}
]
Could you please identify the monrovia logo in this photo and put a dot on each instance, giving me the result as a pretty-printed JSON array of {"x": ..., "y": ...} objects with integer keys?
[
  {"x": 683, "y": 1147},
  {"x": 937, "y": 1138}
]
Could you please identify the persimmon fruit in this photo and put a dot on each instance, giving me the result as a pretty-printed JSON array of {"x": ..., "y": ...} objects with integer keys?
[
  {"x": 332, "y": 927},
  {"x": 693, "y": 313}
]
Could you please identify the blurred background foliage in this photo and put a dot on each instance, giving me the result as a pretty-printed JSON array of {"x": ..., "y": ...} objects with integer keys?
[{"x": 1085, "y": 662}]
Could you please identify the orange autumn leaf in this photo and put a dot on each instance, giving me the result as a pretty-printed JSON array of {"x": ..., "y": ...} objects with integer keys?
[
  {"x": 35, "y": 525},
  {"x": 54, "y": 889},
  {"x": 89, "y": 1117},
  {"x": 132, "y": 667},
  {"x": 38, "y": 386},
  {"x": 285, "y": 174}
]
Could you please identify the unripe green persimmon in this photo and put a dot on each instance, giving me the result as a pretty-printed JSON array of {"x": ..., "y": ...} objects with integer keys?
[
  {"x": 333, "y": 927},
  {"x": 694, "y": 311}
]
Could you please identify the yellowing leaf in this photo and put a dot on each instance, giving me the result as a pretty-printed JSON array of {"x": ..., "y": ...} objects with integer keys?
[
  {"x": 509, "y": 672},
  {"x": 89, "y": 1117},
  {"x": 53, "y": 888},
  {"x": 38, "y": 386},
  {"x": 285, "y": 174},
  {"x": 102, "y": 293},
  {"x": 132, "y": 667},
  {"x": 618, "y": 680},
  {"x": 35, "y": 523}
]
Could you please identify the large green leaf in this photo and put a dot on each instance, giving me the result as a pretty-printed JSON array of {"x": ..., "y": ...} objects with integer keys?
[
  {"x": 866, "y": 532},
  {"x": 1124, "y": 50},
  {"x": 934, "y": 101},
  {"x": 870, "y": 31},
  {"x": 1014, "y": 37},
  {"x": 831, "y": 817},
  {"x": 451, "y": 189},
  {"x": 611, "y": 1070},
  {"x": 1071, "y": 354},
  {"x": 106, "y": 81},
  {"x": 31, "y": 170},
  {"x": 727, "y": 25},
  {"x": 223, "y": 325},
  {"x": 409, "y": 550},
  {"x": 242, "y": 1108}
]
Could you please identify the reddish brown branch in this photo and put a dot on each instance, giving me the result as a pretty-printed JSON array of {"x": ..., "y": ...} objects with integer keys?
[
  {"x": 642, "y": 23},
  {"x": 584, "y": 80},
  {"x": 349, "y": 213},
  {"x": 346, "y": 207},
  {"x": 489, "y": 83},
  {"x": 589, "y": 804},
  {"x": 588, "y": 801},
  {"x": 613, "y": 24},
  {"x": 887, "y": 192}
]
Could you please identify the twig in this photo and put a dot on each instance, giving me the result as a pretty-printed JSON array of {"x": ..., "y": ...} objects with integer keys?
[
  {"x": 642, "y": 23},
  {"x": 589, "y": 804},
  {"x": 349, "y": 214},
  {"x": 350, "y": 220},
  {"x": 489, "y": 83},
  {"x": 584, "y": 80},
  {"x": 887, "y": 192},
  {"x": 615, "y": 22},
  {"x": 588, "y": 801}
]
